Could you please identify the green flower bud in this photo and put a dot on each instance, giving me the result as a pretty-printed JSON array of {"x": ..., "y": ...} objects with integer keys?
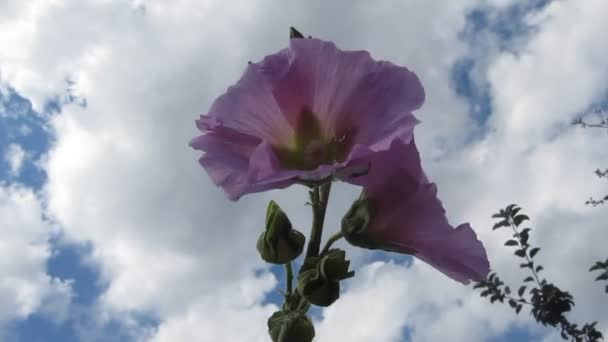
[
  {"x": 297, "y": 326},
  {"x": 356, "y": 221},
  {"x": 319, "y": 278},
  {"x": 279, "y": 243}
]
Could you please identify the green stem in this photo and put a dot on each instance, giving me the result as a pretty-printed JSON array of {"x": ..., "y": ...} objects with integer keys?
[
  {"x": 319, "y": 199},
  {"x": 301, "y": 303},
  {"x": 337, "y": 236},
  {"x": 289, "y": 280}
]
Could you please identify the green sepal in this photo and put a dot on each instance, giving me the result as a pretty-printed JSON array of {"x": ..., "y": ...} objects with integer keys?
[
  {"x": 356, "y": 221},
  {"x": 293, "y": 33},
  {"x": 279, "y": 243},
  {"x": 319, "y": 278},
  {"x": 299, "y": 327},
  {"x": 355, "y": 225}
]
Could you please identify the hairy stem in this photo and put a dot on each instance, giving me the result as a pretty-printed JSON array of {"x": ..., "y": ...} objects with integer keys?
[
  {"x": 289, "y": 278},
  {"x": 319, "y": 198}
]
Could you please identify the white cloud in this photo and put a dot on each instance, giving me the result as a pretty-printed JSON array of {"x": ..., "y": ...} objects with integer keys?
[
  {"x": 122, "y": 177},
  {"x": 149, "y": 210},
  {"x": 559, "y": 74},
  {"x": 24, "y": 249},
  {"x": 15, "y": 156}
]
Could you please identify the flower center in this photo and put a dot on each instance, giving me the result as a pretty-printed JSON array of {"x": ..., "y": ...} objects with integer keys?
[{"x": 311, "y": 147}]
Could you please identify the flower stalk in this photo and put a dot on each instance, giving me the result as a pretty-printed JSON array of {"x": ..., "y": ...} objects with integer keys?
[
  {"x": 337, "y": 236},
  {"x": 319, "y": 197},
  {"x": 289, "y": 279}
]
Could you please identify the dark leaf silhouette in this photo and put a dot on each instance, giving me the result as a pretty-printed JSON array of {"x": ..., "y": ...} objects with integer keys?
[{"x": 548, "y": 303}]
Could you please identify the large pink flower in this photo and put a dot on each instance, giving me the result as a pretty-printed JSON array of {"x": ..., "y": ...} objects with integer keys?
[
  {"x": 399, "y": 211},
  {"x": 305, "y": 113}
]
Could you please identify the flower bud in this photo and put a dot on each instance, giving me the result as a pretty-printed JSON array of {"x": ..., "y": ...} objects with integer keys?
[
  {"x": 319, "y": 278},
  {"x": 356, "y": 222},
  {"x": 279, "y": 243},
  {"x": 298, "y": 327}
]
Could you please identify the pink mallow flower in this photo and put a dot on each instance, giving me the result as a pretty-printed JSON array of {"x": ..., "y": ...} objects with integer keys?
[
  {"x": 304, "y": 114},
  {"x": 399, "y": 211}
]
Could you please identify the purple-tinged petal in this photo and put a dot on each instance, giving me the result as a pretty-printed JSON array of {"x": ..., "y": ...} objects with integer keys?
[
  {"x": 419, "y": 227},
  {"x": 347, "y": 87},
  {"x": 321, "y": 77},
  {"x": 227, "y": 160},
  {"x": 315, "y": 109},
  {"x": 264, "y": 167},
  {"x": 409, "y": 218},
  {"x": 382, "y": 106},
  {"x": 457, "y": 254},
  {"x": 249, "y": 107},
  {"x": 233, "y": 178}
]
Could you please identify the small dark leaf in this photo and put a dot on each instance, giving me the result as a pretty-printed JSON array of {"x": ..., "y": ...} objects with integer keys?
[
  {"x": 510, "y": 207},
  {"x": 519, "y": 306},
  {"x": 485, "y": 293},
  {"x": 534, "y": 251},
  {"x": 520, "y": 253},
  {"x": 539, "y": 268},
  {"x": 598, "y": 266},
  {"x": 526, "y": 265},
  {"x": 602, "y": 277},
  {"x": 519, "y": 219},
  {"x": 511, "y": 243},
  {"x": 494, "y": 298},
  {"x": 512, "y": 303},
  {"x": 499, "y": 215},
  {"x": 479, "y": 285},
  {"x": 507, "y": 290},
  {"x": 525, "y": 231},
  {"x": 528, "y": 279},
  {"x": 524, "y": 236},
  {"x": 521, "y": 290},
  {"x": 500, "y": 224},
  {"x": 293, "y": 33}
]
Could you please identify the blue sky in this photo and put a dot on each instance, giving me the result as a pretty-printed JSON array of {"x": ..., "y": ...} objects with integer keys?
[{"x": 120, "y": 289}]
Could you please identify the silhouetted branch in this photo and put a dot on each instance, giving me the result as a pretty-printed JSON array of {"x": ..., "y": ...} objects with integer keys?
[{"x": 548, "y": 303}]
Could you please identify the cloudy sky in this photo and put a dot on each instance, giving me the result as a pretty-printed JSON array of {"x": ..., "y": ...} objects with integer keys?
[{"x": 112, "y": 232}]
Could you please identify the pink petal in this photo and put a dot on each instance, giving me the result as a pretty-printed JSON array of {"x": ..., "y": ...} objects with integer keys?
[
  {"x": 361, "y": 106},
  {"x": 409, "y": 218},
  {"x": 249, "y": 107},
  {"x": 419, "y": 227}
]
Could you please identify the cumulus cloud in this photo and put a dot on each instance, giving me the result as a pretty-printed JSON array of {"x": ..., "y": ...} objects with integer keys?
[
  {"x": 168, "y": 242},
  {"x": 24, "y": 249}
]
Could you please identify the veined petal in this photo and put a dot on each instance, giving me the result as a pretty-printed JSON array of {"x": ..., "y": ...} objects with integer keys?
[
  {"x": 419, "y": 227},
  {"x": 313, "y": 110},
  {"x": 322, "y": 77},
  {"x": 457, "y": 254},
  {"x": 409, "y": 218},
  {"x": 249, "y": 107}
]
